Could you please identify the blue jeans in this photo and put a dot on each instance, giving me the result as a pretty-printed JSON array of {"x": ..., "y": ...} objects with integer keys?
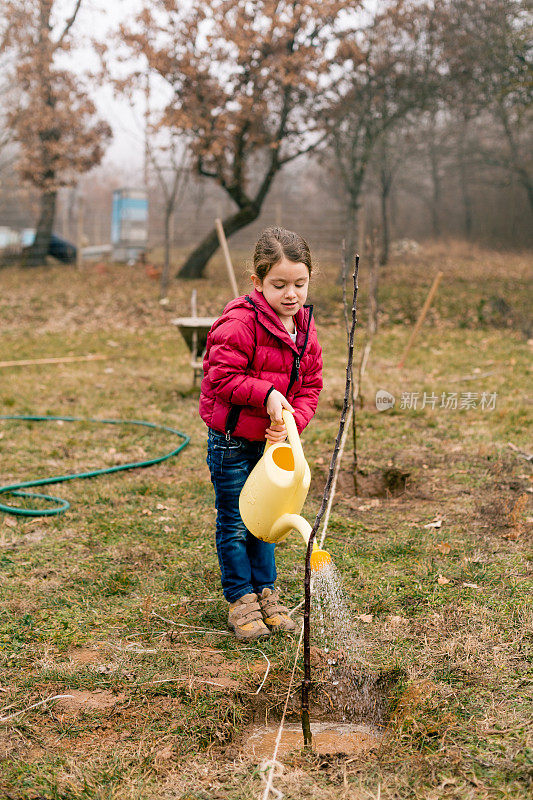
[{"x": 246, "y": 564}]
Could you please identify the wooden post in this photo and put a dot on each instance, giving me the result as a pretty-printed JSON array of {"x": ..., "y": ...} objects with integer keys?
[
  {"x": 79, "y": 233},
  {"x": 422, "y": 316},
  {"x": 227, "y": 257}
]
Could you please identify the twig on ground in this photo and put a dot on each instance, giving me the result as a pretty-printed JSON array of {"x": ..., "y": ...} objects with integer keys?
[
  {"x": 191, "y": 628},
  {"x": 293, "y": 610},
  {"x": 471, "y": 377},
  {"x": 267, "y": 669},
  {"x": 36, "y": 705},
  {"x": 520, "y": 453}
]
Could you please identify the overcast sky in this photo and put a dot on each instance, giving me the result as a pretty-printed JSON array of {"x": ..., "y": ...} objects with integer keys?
[{"x": 97, "y": 18}]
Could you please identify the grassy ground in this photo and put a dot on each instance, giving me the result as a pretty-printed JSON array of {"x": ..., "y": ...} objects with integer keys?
[{"x": 117, "y": 602}]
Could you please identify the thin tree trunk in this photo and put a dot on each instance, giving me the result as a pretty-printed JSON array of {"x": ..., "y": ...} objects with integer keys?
[
  {"x": 165, "y": 275},
  {"x": 352, "y": 232},
  {"x": 197, "y": 261},
  {"x": 463, "y": 179},
  {"x": 435, "y": 181},
  {"x": 518, "y": 164},
  {"x": 385, "y": 227},
  {"x": 39, "y": 249}
]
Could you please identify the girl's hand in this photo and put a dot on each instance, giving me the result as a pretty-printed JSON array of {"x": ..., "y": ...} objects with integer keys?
[
  {"x": 275, "y": 404},
  {"x": 276, "y": 433}
]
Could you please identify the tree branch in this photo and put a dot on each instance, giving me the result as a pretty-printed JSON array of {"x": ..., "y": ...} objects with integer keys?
[{"x": 68, "y": 25}]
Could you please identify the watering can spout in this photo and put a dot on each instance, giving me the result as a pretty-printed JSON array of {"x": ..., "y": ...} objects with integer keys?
[
  {"x": 288, "y": 522},
  {"x": 319, "y": 558}
]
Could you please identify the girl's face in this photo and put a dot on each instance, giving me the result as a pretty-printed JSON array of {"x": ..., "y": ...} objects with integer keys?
[{"x": 284, "y": 287}]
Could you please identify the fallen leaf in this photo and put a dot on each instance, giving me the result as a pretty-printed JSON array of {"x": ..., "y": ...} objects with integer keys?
[
  {"x": 11, "y": 523},
  {"x": 366, "y": 617},
  {"x": 444, "y": 547},
  {"x": 165, "y": 753},
  {"x": 442, "y": 581},
  {"x": 161, "y": 507},
  {"x": 370, "y": 504},
  {"x": 396, "y": 620},
  {"x": 471, "y": 586},
  {"x": 147, "y": 512},
  {"x": 513, "y": 536},
  {"x": 436, "y": 523}
]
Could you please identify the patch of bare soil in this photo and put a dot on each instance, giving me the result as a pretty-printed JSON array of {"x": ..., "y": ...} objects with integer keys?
[
  {"x": 505, "y": 502},
  {"x": 329, "y": 738},
  {"x": 80, "y": 656},
  {"x": 349, "y": 709},
  {"x": 97, "y": 700},
  {"x": 388, "y": 482},
  {"x": 345, "y": 693}
]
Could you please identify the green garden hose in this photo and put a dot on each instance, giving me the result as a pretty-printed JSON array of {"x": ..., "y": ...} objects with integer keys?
[{"x": 62, "y": 505}]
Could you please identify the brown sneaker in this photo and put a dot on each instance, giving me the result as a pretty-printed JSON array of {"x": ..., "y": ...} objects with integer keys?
[
  {"x": 245, "y": 619},
  {"x": 275, "y": 615}
]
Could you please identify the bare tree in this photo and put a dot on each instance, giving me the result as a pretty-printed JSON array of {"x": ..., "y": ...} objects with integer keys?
[
  {"x": 487, "y": 49},
  {"x": 171, "y": 167},
  {"x": 393, "y": 150},
  {"x": 248, "y": 80},
  {"x": 387, "y": 80},
  {"x": 52, "y": 119}
]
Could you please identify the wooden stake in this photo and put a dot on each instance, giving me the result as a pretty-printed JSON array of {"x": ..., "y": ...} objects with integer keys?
[
  {"x": 225, "y": 249},
  {"x": 79, "y": 234},
  {"x": 65, "y": 360},
  {"x": 422, "y": 316}
]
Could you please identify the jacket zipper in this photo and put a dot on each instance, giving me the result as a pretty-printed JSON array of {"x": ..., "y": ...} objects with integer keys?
[{"x": 297, "y": 356}]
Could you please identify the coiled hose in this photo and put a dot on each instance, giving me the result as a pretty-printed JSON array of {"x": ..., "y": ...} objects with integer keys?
[{"x": 63, "y": 505}]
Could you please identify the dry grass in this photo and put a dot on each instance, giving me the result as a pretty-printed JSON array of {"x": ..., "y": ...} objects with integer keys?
[{"x": 117, "y": 602}]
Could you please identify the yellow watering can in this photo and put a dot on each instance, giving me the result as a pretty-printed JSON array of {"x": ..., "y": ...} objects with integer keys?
[{"x": 274, "y": 494}]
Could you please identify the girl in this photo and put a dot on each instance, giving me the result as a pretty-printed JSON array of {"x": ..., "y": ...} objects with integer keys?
[{"x": 262, "y": 355}]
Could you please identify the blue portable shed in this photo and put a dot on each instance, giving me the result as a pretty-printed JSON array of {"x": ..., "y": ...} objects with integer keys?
[{"x": 129, "y": 223}]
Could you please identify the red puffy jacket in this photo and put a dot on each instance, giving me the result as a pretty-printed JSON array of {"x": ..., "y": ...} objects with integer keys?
[{"x": 249, "y": 353}]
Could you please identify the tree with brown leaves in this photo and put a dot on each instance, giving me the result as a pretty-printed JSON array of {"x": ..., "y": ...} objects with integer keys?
[
  {"x": 248, "y": 80},
  {"x": 53, "y": 120}
]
